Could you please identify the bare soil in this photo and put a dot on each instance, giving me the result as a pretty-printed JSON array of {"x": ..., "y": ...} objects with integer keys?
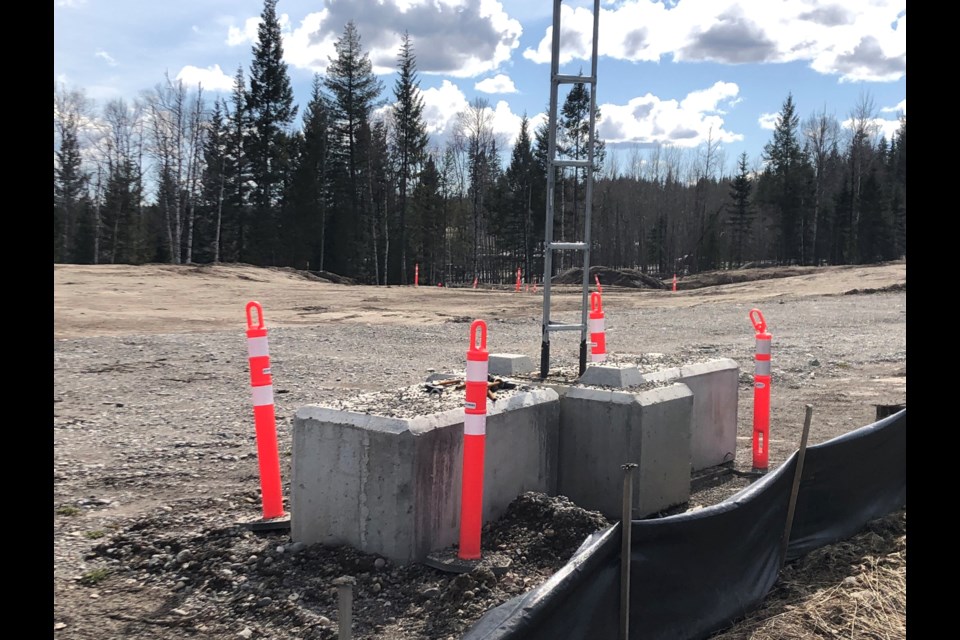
[{"x": 155, "y": 457}]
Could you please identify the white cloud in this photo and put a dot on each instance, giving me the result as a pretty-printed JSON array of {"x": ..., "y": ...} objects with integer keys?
[
  {"x": 71, "y": 4},
  {"x": 686, "y": 123},
  {"x": 244, "y": 35},
  {"x": 456, "y": 38},
  {"x": 211, "y": 78},
  {"x": 301, "y": 48},
  {"x": 900, "y": 108},
  {"x": 878, "y": 126},
  {"x": 768, "y": 120},
  {"x": 103, "y": 55},
  {"x": 500, "y": 83},
  {"x": 854, "y": 39},
  {"x": 441, "y": 106}
]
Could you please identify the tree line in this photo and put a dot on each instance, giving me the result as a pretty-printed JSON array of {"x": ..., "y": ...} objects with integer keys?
[{"x": 356, "y": 187}]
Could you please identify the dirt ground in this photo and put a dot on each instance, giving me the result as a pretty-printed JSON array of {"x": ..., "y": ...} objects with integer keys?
[{"x": 155, "y": 459}]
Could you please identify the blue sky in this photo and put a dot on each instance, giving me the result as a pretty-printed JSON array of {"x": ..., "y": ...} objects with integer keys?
[{"x": 670, "y": 72}]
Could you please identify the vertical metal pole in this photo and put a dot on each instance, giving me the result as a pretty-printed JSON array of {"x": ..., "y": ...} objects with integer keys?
[
  {"x": 588, "y": 205},
  {"x": 796, "y": 486},
  {"x": 551, "y": 185},
  {"x": 626, "y": 527},
  {"x": 345, "y": 602}
]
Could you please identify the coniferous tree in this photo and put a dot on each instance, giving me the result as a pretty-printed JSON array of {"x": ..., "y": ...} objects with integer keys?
[
  {"x": 214, "y": 179},
  {"x": 741, "y": 216},
  {"x": 69, "y": 178},
  {"x": 789, "y": 176},
  {"x": 573, "y": 136},
  {"x": 409, "y": 138},
  {"x": 310, "y": 198},
  {"x": 520, "y": 176},
  {"x": 354, "y": 89},
  {"x": 270, "y": 108}
]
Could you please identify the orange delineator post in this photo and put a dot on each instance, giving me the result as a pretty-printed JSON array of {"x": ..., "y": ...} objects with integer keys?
[
  {"x": 475, "y": 280},
  {"x": 599, "y": 288},
  {"x": 261, "y": 386},
  {"x": 474, "y": 438},
  {"x": 517, "y": 288},
  {"x": 674, "y": 282},
  {"x": 761, "y": 393},
  {"x": 598, "y": 336},
  {"x": 416, "y": 274}
]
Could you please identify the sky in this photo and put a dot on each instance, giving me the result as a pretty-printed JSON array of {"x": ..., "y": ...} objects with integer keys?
[{"x": 675, "y": 73}]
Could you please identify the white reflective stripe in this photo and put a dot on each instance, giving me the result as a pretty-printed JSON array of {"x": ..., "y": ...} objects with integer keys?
[
  {"x": 598, "y": 357},
  {"x": 262, "y": 395},
  {"x": 763, "y": 367},
  {"x": 257, "y": 347},
  {"x": 475, "y": 424},
  {"x": 595, "y": 325},
  {"x": 763, "y": 346},
  {"x": 476, "y": 370}
]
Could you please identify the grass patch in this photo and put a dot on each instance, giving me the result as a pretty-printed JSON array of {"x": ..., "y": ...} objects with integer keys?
[
  {"x": 67, "y": 510},
  {"x": 93, "y": 535},
  {"x": 94, "y": 576}
]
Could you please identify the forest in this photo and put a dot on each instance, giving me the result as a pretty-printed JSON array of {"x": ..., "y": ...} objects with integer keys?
[{"x": 354, "y": 185}]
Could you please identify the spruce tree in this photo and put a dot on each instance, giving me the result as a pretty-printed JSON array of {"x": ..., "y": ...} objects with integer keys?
[
  {"x": 788, "y": 172},
  {"x": 409, "y": 137},
  {"x": 269, "y": 102},
  {"x": 353, "y": 89},
  {"x": 69, "y": 184},
  {"x": 740, "y": 213}
]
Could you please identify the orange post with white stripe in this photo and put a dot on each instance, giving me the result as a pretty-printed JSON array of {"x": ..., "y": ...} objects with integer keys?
[
  {"x": 517, "y": 288},
  {"x": 261, "y": 385},
  {"x": 416, "y": 274},
  {"x": 599, "y": 288},
  {"x": 674, "y": 282},
  {"x": 474, "y": 438},
  {"x": 598, "y": 336},
  {"x": 761, "y": 393}
]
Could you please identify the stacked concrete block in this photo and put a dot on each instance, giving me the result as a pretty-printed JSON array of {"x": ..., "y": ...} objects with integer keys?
[
  {"x": 392, "y": 486},
  {"x": 601, "y": 430},
  {"x": 713, "y": 420}
]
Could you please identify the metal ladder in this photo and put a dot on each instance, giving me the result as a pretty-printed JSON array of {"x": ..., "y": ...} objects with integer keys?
[{"x": 556, "y": 79}]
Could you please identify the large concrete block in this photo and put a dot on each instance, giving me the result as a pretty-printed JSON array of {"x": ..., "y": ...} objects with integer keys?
[
  {"x": 392, "y": 486},
  {"x": 601, "y": 430},
  {"x": 509, "y": 364},
  {"x": 713, "y": 423},
  {"x": 611, "y": 375}
]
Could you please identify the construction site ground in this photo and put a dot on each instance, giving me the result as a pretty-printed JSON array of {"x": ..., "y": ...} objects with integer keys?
[{"x": 155, "y": 458}]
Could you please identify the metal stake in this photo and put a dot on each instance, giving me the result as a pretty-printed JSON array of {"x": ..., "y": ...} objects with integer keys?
[
  {"x": 345, "y": 601},
  {"x": 626, "y": 525},
  {"x": 796, "y": 486}
]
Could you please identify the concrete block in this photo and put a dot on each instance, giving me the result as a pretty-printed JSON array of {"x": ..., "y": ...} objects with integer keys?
[
  {"x": 713, "y": 422},
  {"x": 509, "y": 364},
  {"x": 604, "y": 375},
  {"x": 392, "y": 486},
  {"x": 601, "y": 430}
]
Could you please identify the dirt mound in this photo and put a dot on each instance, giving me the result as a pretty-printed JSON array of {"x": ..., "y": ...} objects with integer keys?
[
  {"x": 239, "y": 269},
  {"x": 611, "y": 277},
  {"x": 223, "y": 580}
]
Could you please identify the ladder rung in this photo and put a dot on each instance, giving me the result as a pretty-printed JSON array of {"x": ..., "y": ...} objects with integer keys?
[
  {"x": 564, "y": 327},
  {"x": 567, "y": 79},
  {"x": 578, "y": 246},
  {"x": 585, "y": 164}
]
